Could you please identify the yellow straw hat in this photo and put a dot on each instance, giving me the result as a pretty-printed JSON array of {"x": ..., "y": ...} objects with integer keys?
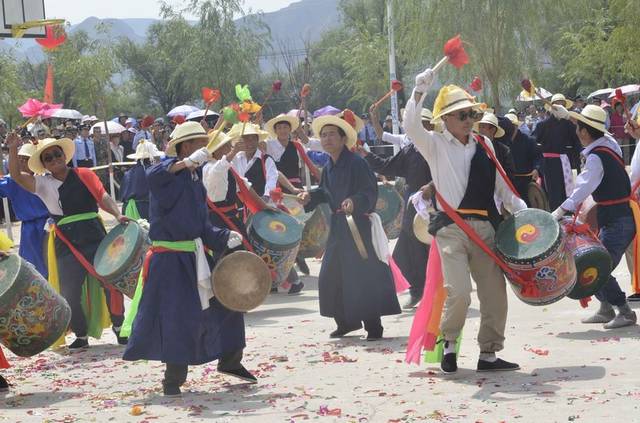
[
  {"x": 592, "y": 115},
  {"x": 491, "y": 119},
  {"x": 35, "y": 163},
  {"x": 322, "y": 121},
  {"x": 241, "y": 129},
  {"x": 27, "y": 149},
  {"x": 216, "y": 140},
  {"x": 184, "y": 132},
  {"x": 270, "y": 126},
  {"x": 452, "y": 98}
]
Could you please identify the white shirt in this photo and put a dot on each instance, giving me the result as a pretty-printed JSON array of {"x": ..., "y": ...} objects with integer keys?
[
  {"x": 118, "y": 152},
  {"x": 275, "y": 149},
  {"x": 47, "y": 189},
  {"x": 635, "y": 167},
  {"x": 241, "y": 165},
  {"x": 400, "y": 140},
  {"x": 450, "y": 160},
  {"x": 215, "y": 177},
  {"x": 592, "y": 172}
]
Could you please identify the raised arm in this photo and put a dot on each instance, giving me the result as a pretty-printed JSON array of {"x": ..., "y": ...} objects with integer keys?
[{"x": 25, "y": 180}]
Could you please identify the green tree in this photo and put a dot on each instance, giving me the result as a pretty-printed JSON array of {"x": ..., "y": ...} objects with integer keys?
[{"x": 12, "y": 92}]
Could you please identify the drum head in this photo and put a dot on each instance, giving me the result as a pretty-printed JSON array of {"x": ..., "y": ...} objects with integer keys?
[
  {"x": 275, "y": 229},
  {"x": 593, "y": 266},
  {"x": 389, "y": 203},
  {"x": 421, "y": 229},
  {"x": 118, "y": 249},
  {"x": 537, "y": 197},
  {"x": 528, "y": 236},
  {"x": 296, "y": 209},
  {"x": 241, "y": 281},
  {"x": 9, "y": 268}
]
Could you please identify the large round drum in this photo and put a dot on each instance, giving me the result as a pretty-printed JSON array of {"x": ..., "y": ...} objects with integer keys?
[
  {"x": 296, "y": 209},
  {"x": 120, "y": 256},
  {"x": 32, "y": 314},
  {"x": 241, "y": 281},
  {"x": 316, "y": 232},
  {"x": 593, "y": 262},
  {"x": 421, "y": 229},
  {"x": 275, "y": 237},
  {"x": 533, "y": 245},
  {"x": 390, "y": 207}
]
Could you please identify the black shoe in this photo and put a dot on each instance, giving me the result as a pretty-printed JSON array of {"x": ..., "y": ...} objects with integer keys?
[
  {"x": 240, "y": 373},
  {"x": 496, "y": 366},
  {"x": 79, "y": 343},
  {"x": 302, "y": 265},
  {"x": 340, "y": 332},
  {"x": 295, "y": 289},
  {"x": 4, "y": 385},
  {"x": 633, "y": 297},
  {"x": 121, "y": 339},
  {"x": 171, "y": 391},
  {"x": 449, "y": 363},
  {"x": 374, "y": 335}
]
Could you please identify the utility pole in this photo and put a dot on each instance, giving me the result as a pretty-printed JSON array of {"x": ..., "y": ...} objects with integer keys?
[{"x": 392, "y": 72}]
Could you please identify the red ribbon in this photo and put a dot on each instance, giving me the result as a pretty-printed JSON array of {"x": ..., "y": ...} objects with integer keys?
[
  {"x": 480, "y": 140},
  {"x": 227, "y": 221},
  {"x": 245, "y": 196},
  {"x": 116, "y": 298},
  {"x": 4, "y": 364},
  {"x": 307, "y": 161}
]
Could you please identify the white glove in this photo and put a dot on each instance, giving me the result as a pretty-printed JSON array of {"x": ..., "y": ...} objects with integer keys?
[
  {"x": 198, "y": 157},
  {"x": 424, "y": 80},
  {"x": 235, "y": 240},
  {"x": 558, "y": 213},
  {"x": 559, "y": 111}
]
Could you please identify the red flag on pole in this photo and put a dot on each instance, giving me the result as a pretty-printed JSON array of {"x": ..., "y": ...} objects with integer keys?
[{"x": 48, "y": 85}]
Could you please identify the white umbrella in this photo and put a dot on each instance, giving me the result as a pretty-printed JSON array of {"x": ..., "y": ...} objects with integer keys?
[
  {"x": 603, "y": 93},
  {"x": 200, "y": 113},
  {"x": 627, "y": 90},
  {"x": 67, "y": 114},
  {"x": 183, "y": 110},
  {"x": 525, "y": 97},
  {"x": 114, "y": 127}
]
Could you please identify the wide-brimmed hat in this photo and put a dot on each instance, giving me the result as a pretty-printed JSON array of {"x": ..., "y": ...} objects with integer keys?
[
  {"x": 561, "y": 97},
  {"x": 491, "y": 119},
  {"x": 426, "y": 114},
  {"x": 35, "y": 163},
  {"x": 322, "y": 121},
  {"x": 145, "y": 150},
  {"x": 592, "y": 115},
  {"x": 270, "y": 126},
  {"x": 452, "y": 98},
  {"x": 513, "y": 118},
  {"x": 27, "y": 149},
  {"x": 184, "y": 132},
  {"x": 240, "y": 129},
  {"x": 216, "y": 140}
]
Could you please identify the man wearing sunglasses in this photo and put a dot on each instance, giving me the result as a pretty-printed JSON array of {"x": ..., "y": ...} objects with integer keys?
[{"x": 466, "y": 178}]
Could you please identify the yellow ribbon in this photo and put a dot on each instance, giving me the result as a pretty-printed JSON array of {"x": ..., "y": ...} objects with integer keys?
[{"x": 635, "y": 280}]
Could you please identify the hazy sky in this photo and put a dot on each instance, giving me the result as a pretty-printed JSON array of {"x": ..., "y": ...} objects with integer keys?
[{"x": 76, "y": 11}]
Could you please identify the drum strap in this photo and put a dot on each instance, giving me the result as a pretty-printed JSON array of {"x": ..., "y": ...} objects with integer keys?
[
  {"x": 480, "y": 140},
  {"x": 529, "y": 288},
  {"x": 116, "y": 298},
  {"x": 227, "y": 221}
]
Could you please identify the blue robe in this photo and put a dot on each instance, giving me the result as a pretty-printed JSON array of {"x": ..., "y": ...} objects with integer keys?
[
  {"x": 29, "y": 209},
  {"x": 170, "y": 325},
  {"x": 134, "y": 186},
  {"x": 349, "y": 286}
]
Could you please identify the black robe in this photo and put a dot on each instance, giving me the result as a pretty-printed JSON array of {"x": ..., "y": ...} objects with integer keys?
[{"x": 351, "y": 288}]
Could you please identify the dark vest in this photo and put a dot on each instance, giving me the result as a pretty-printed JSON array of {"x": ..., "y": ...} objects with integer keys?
[
  {"x": 615, "y": 185},
  {"x": 256, "y": 175},
  {"x": 232, "y": 196},
  {"x": 75, "y": 198},
  {"x": 479, "y": 192},
  {"x": 289, "y": 162}
]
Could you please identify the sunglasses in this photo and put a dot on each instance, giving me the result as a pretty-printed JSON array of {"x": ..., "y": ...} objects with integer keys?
[
  {"x": 50, "y": 157},
  {"x": 462, "y": 116}
]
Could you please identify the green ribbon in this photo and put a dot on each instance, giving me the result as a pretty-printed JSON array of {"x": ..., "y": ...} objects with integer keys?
[
  {"x": 77, "y": 218},
  {"x": 179, "y": 246},
  {"x": 436, "y": 355},
  {"x": 131, "y": 211}
]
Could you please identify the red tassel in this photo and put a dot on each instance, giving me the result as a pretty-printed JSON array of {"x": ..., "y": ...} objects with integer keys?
[
  {"x": 48, "y": 85},
  {"x": 454, "y": 50},
  {"x": 244, "y": 195},
  {"x": 210, "y": 95},
  {"x": 116, "y": 300},
  {"x": 476, "y": 84},
  {"x": 396, "y": 85},
  {"x": 584, "y": 302},
  {"x": 4, "y": 364},
  {"x": 349, "y": 117},
  {"x": 276, "y": 86},
  {"x": 178, "y": 119}
]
